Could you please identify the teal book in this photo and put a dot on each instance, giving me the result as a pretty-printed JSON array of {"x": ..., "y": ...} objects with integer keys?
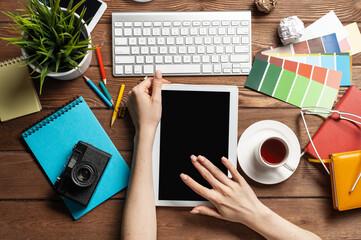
[{"x": 52, "y": 141}]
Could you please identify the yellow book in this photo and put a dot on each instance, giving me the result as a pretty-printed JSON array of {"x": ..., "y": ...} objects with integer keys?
[
  {"x": 345, "y": 168},
  {"x": 17, "y": 93}
]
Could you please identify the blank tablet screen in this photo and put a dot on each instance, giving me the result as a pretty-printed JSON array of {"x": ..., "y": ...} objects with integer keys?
[{"x": 193, "y": 122}]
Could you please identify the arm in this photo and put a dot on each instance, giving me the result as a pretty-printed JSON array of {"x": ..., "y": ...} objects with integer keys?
[
  {"x": 144, "y": 104},
  {"x": 235, "y": 201}
]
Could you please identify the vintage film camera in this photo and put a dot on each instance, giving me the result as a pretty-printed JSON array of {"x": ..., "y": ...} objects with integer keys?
[{"x": 82, "y": 173}]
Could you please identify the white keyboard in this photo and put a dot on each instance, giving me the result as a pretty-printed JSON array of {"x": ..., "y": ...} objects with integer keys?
[{"x": 181, "y": 43}]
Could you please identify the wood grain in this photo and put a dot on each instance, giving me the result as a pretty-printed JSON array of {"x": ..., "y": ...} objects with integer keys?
[
  {"x": 21, "y": 177},
  {"x": 54, "y": 222}
]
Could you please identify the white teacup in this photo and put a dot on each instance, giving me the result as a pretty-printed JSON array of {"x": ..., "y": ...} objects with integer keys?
[{"x": 272, "y": 152}]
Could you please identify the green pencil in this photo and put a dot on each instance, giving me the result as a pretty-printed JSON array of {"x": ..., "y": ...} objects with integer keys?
[{"x": 102, "y": 86}]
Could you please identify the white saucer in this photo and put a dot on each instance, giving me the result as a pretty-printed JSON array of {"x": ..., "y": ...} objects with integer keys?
[{"x": 249, "y": 140}]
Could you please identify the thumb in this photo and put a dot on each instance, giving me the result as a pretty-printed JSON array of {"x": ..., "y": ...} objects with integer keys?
[
  {"x": 209, "y": 211},
  {"x": 157, "y": 85}
]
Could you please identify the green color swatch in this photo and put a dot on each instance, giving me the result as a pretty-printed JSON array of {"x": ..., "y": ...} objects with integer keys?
[
  {"x": 313, "y": 94},
  {"x": 328, "y": 97},
  {"x": 284, "y": 85},
  {"x": 256, "y": 74},
  {"x": 270, "y": 80},
  {"x": 299, "y": 90}
]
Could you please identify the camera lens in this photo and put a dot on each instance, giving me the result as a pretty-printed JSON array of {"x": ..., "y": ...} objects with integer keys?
[{"x": 83, "y": 174}]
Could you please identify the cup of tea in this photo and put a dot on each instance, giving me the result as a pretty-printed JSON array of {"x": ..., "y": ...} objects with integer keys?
[{"x": 272, "y": 152}]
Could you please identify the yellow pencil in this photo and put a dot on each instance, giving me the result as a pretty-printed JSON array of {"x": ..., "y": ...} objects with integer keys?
[{"x": 117, "y": 104}]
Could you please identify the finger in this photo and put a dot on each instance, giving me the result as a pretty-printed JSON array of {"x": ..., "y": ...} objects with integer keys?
[
  {"x": 157, "y": 85},
  {"x": 233, "y": 170},
  {"x": 215, "y": 171},
  {"x": 207, "y": 175},
  {"x": 196, "y": 187},
  {"x": 209, "y": 211}
]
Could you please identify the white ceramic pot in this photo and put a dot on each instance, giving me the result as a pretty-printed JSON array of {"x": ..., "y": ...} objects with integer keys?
[{"x": 73, "y": 73}]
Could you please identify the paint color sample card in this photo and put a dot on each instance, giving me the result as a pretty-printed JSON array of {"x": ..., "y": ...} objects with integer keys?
[
  {"x": 296, "y": 83},
  {"x": 354, "y": 38},
  {"x": 337, "y": 61},
  {"x": 324, "y": 44},
  {"x": 326, "y": 25}
]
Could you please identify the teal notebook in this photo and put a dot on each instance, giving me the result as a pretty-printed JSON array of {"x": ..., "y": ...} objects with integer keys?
[{"x": 53, "y": 139}]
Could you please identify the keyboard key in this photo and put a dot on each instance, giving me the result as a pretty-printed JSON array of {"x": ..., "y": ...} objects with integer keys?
[
  {"x": 149, "y": 59},
  {"x": 118, "y": 32},
  {"x": 147, "y": 69},
  {"x": 179, "y": 68},
  {"x": 127, "y": 32},
  {"x": 191, "y": 49},
  {"x": 215, "y": 58},
  {"x": 196, "y": 58},
  {"x": 118, "y": 24},
  {"x": 229, "y": 49},
  {"x": 120, "y": 41},
  {"x": 128, "y": 24},
  {"x": 132, "y": 41},
  {"x": 137, "y": 32},
  {"x": 142, "y": 41},
  {"x": 170, "y": 41},
  {"x": 217, "y": 40},
  {"x": 175, "y": 31},
  {"x": 186, "y": 59},
  {"x": 210, "y": 49},
  {"x": 225, "y": 23},
  {"x": 177, "y": 59},
  {"x": 156, "y": 31},
  {"x": 154, "y": 50},
  {"x": 203, "y": 31},
  {"x": 147, "y": 31},
  {"x": 212, "y": 31},
  {"x": 207, "y": 68},
  {"x": 177, "y": 23},
  {"x": 151, "y": 41},
  {"x": 226, "y": 70},
  {"x": 165, "y": 31},
  {"x": 219, "y": 49},
  {"x": 231, "y": 31},
  {"x": 221, "y": 31},
  {"x": 242, "y": 30},
  {"x": 224, "y": 58},
  {"x": 217, "y": 68},
  {"x": 196, "y": 23},
  {"x": 226, "y": 40},
  {"x": 147, "y": 24},
  {"x": 207, "y": 40},
  {"x": 163, "y": 50},
  {"x": 182, "y": 49},
  {"x": 205, "y": 59},
  {"x": 235, "y": 23},
  {"x": 124, "y": 59},
  {"x": 201, "y": 49},
  {"x": 138, "y": 69},
  {"x": 138, "y": 24},
  {"x": 179, "y": 40},
  {"x": 186, "y": 23},
  {"x": 160, "y": 40},
  {"x": 236, "y": 70},
  {"x": 140, "y": 59},
  {"x": 144, "y": 50},
  {"x": 158, "y": 59},
  {"x": 216, "y": 23},
  {"x": 167, "y": 24},
  {"x": 172, "y": 50},
  {"x": 193, "y": 31},
  {"x": 189, "y": 40},
  {"x": 198, "y": 40},
  {"x": 128, "y": 69},
  {"x": 157, "y": 24},
  {"x": 135, "y": 50},
  {"x": 122, "y": 50},
  {"x": 206, "y": 23},
  {"x": 167, "y": 59},
  {"x": 240, "y": 58},
  {"x": 236, "y": 40},
  {"x": 245, "y": 22},
  {"x": 245, "y": 40},
  {"x": 245, "y": 70},
  {"x": 184, "y": 31},
  {"x": 241, "y": 49},
  {"x": 119, "y": 69}
]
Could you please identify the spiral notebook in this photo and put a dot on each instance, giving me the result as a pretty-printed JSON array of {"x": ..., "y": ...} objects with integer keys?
[
  {"x": 17, "y": 93},
  {"x": 52, "y": 141}
]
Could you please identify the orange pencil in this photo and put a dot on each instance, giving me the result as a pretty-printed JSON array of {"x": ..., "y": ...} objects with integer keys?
[{"x": 100, "y": 60}]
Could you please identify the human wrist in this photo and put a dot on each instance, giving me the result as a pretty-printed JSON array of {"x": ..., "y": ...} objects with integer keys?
[{"x": 261, "y": 216}]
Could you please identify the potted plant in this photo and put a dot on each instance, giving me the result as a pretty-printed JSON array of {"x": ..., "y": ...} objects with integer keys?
[{"x": 54, "y": 41}]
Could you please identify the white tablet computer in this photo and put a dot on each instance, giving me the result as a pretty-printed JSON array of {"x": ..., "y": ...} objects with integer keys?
[{"x": 199, "y": 120}]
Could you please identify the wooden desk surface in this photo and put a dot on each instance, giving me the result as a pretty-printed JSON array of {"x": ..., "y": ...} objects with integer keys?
[{"x": 29, "y": 208}]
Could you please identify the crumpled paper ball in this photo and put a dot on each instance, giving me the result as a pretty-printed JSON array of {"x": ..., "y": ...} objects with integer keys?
[
  {"x": 290, "y": 29},
  {"x": 265, "y": 6}
]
